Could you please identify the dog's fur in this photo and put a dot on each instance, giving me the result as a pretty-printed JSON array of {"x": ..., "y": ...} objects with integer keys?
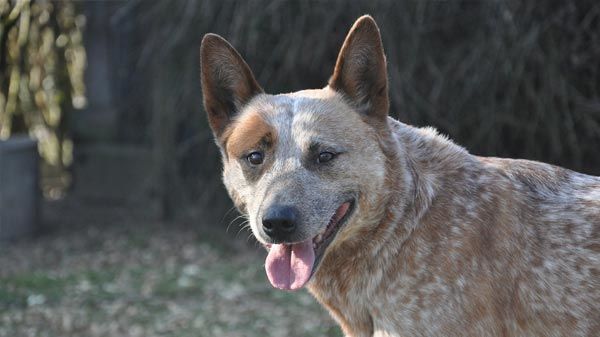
[{"x": 441, "y": 242}]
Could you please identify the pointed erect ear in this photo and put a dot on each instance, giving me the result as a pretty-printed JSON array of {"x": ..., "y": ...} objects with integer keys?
[
  {"x": 360, "y": 71},
  {"x": 227, "y": 82}
]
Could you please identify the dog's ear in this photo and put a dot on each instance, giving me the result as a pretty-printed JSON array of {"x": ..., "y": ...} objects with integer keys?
[
  {"x": 360, "y": 71},
  {"x": 227, "y": 82}
]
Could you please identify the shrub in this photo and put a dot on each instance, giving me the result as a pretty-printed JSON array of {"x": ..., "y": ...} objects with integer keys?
[{"x": 42, "y": 60}]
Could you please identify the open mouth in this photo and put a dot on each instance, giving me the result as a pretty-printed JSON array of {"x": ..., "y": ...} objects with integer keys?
[
  {"x": 324, "y": 239},
  {"x": 290, "y": 266}
]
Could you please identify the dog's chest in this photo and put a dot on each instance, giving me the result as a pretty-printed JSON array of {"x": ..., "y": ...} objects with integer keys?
[{"x": 417, "y": 305}]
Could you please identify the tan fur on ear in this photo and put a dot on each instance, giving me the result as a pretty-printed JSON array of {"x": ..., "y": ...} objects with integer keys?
[
  {"x": 227, "y": 82},
  {"x": 360, "y": 71}
]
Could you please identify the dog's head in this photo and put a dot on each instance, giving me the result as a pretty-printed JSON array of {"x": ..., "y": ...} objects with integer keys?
[{"x": 307, "y": 168}]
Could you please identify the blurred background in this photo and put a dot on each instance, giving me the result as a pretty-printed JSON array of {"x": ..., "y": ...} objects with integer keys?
[{"x": 113, "y": 218}]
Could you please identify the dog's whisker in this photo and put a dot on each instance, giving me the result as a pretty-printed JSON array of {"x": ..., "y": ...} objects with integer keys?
[
  {"x": 244, "y": 226},
  {"x": 241, "y": 216},
  {"x": 226, "y": 213}
]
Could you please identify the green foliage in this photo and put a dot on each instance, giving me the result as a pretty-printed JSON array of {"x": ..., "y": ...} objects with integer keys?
[{"x": 14, "y": 291}]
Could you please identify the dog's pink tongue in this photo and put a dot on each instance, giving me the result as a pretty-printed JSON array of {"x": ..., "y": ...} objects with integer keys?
[{"x": 289, "y": 266}]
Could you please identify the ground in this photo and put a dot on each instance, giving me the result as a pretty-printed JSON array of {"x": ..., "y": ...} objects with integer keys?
[{"x": 118, "y": 276}]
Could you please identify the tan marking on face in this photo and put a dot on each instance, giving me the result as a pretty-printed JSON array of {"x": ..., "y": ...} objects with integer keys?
[{"x": 247, "y": 133}]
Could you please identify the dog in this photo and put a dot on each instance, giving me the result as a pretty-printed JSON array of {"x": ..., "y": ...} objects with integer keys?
[{"x": 396, "y": 230}]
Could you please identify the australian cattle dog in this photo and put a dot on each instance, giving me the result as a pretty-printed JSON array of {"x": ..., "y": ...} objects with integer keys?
[{"x": 396, "y": 230}]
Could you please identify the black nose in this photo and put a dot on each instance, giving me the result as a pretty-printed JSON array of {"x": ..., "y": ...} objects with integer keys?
[{"x": 279, "y": 222}]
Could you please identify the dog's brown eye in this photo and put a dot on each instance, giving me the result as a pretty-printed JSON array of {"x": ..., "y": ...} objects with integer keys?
[
  {"x": 325, "y": 157},
  {"x": 255, "y": 158}
]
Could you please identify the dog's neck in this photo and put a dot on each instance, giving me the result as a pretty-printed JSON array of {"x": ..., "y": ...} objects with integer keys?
[
  {"x": 430, "y": 158},
  {"x": 421, "y": 163}
]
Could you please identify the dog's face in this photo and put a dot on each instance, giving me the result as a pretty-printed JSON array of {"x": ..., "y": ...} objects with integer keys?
[{"x": 304, "y": 167}]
